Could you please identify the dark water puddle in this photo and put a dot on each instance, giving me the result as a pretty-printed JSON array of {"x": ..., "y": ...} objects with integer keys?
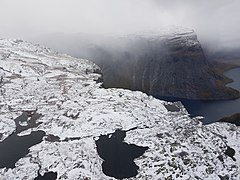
[
  {"x": 230, "y": 152},
  {"x": 15, "y": 147},
  {"x": 118, "y": 156},
  {"x": 28, "y": 117},
  {"x": 47, "y": 176}
]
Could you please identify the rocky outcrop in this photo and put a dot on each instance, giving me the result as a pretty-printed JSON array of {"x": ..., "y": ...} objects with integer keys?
[
  {"x": 234, "y": 119},
  {"x": 76, "y": 114},
  {"x": 169, "y": 63}
]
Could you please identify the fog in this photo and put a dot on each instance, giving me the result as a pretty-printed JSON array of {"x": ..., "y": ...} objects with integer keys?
[{"x": 216, "y": 22}]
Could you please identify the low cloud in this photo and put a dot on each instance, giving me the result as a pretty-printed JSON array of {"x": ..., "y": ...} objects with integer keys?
[{"x": 217, "y": 22}]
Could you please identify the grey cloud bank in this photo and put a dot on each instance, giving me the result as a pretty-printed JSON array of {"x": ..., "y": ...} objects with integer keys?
[{"x": 217, "y": 22}]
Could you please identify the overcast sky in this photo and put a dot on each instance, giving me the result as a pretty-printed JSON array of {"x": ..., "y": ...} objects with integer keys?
[{"x": 215, "y": 20}]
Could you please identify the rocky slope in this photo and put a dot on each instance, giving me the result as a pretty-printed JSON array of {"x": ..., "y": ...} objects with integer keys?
[
  {"x": 75, "y": 111},
  {"x": 168, "y": 63}
]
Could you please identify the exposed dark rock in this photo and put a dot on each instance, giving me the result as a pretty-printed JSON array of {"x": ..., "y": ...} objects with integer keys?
[
  {"x": 73, "y": 116},
  {"x": 234, "y": 119},
  {"x": 172, "y": 107},
  {"x": 71, "y": 139},
  {"x": 52, "y": 138},
  {"x": 99, "y": 80},
  {"x": 160, "y": 135},
  {"x": 220, "y": 157},
  {"x": 226, "y": 177},
  {"x": 183, "y": 154}
]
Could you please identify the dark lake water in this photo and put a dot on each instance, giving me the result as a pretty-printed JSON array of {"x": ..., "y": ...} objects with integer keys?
[
  {"x": 235, "y": 75},
  {"x": 15, "y": 147},
  {"x": 214, "y": 110},
  {"x": 118, "y": 156},
  {"x": 47, "y": 176}
]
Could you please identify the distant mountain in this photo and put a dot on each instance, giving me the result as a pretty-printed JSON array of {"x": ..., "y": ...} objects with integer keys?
[
  {"x": 56, "y": 103},
  {"x": 171, "y": 65},
  {"x": 165, "y": 63}
]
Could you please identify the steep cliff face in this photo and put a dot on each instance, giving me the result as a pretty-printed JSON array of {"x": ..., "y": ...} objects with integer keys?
[
  {"x": 168, "y": 63},
  {"x": 75, "y": 112}
]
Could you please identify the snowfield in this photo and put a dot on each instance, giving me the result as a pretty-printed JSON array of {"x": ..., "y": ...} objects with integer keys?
[{"x": 74, "y": 107}]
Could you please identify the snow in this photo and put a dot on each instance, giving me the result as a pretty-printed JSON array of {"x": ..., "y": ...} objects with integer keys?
[
  {"x": 64, "y": 90},
  {"x": 169, "y": 34}
]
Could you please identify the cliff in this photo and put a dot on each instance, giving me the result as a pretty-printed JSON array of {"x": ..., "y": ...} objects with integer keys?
[{"x": 167, "y": 63}]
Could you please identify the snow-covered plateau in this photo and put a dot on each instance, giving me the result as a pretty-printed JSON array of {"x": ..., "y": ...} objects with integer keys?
[{"x": 76, "y": 110}]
